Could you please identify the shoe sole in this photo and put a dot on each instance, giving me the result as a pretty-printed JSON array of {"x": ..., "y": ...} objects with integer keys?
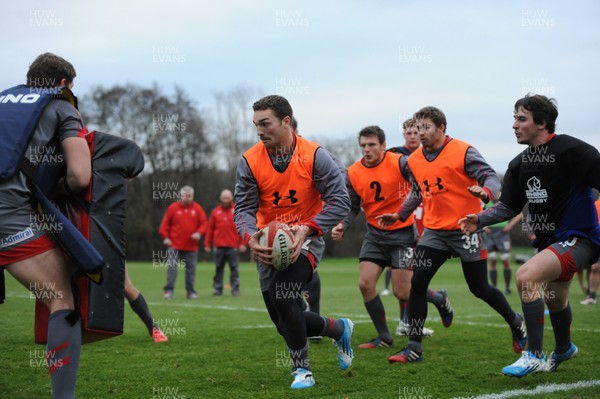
[
  {"x": 392, "y": 361},
  {"x": 518, "y": 349},
  {"x": 403, "y": 359},
  {"x": 309, "y": 385},
  {"x": 508, "y": 374},
  {"x": 304, "y": 387},
  {"x": 373, "y": 346}
]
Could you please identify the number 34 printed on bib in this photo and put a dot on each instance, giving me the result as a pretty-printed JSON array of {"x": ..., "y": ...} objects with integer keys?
[{"x": 471, "y": 241}]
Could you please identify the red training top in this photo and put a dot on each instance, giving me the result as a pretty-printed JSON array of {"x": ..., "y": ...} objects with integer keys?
[
  {"x": 221, "y": 230},
  {"x": 180, "y": 222}
]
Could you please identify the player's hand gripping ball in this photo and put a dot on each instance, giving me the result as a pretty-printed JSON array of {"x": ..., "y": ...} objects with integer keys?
[{"x": 279, "y": 237}]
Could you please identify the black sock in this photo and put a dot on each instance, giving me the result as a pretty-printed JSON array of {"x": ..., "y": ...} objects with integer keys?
[
  {"x": 404, "y": 311},
  {"x": 561, "y": 324},
  {"x": 377, "y": 312},
  {"x": 62, "y": 351},
  {"x": 494, "y": 277},
  {"x": 299, "y": 358},
  {"x": 507, "y": 277},
  {"x": 315, "y": 324},
  {"x": 332, "y": 328},
  {"x": 533, "y": 312},
  {"x": 140, "y": 307}
]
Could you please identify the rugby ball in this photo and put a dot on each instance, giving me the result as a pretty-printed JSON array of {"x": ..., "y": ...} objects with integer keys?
[{"x": 279, "y": 237}]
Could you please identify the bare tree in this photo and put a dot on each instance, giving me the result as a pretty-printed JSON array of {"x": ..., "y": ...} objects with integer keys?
[
  {"x": 170, "y": 131},
  {"x": 232, "y": 124},
  {"x": 344, "y": 149}
]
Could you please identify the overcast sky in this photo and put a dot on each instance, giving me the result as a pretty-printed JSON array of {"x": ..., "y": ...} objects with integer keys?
[{"x": 342, "y": 64}]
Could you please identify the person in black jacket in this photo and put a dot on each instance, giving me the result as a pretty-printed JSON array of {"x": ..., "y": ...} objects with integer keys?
[{"x": 555, "y": 175}]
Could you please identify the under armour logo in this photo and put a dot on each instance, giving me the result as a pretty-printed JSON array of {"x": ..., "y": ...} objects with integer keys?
[
  {"x": 438, "y": 184},
  {"x": 291, "y": 197}
]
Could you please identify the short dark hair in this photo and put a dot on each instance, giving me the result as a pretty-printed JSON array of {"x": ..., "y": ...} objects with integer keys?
[
  {"x": 543, "y": 109},
  {"x": 372, "y": 131},
  {"x": 48, "y": 69},
  {"x": 294, "y": 124},
  {"x": 279, "y": 105},
  {"x": 435, "y": 114}
]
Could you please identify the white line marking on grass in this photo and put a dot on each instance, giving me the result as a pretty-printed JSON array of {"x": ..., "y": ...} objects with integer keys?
[
  {"x": 540, "y": 389},
  {"x": 355, "y": 317},
  {"x": 482, "y": 316},
  {"x": 216, "y": 307},
  {"x": 259, "y": 326}
]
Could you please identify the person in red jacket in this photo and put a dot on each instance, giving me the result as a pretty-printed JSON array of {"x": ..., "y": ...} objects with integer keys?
[
  {"x": 181, "y": 229},
  {"x": 222, "y": 234}
]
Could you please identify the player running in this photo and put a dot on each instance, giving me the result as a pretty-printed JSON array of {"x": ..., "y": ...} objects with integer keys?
[
  {"x": 555, "y": 175},
  {"x": 450, "y": 176},
  {"x": 289, "y": 179},
  {"x": 377, "y": 183}
]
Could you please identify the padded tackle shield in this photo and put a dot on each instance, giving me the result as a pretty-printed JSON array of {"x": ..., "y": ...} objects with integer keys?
[{"x": 100, "y": 214}]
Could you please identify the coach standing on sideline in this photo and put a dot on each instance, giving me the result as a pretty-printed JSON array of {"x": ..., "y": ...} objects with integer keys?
[
  {"x": 182, "y": 228},
  {"x": 221, "y": 234},
  {"x": 555, "y": 174}
]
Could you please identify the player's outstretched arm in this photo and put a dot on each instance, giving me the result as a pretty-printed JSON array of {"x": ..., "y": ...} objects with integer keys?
[
  {"x": 469, "y": 223},
  {"x": 479, "y": 192},
  {"x": 387, "y": 219},
  {"x": 337, "y": 233}
]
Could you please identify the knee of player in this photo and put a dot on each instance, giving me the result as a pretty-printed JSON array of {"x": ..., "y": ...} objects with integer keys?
[
  {"x": 402, "y": 292},
  {"x": 524, "y": 279},
  {"x": 366, "y": 285}
]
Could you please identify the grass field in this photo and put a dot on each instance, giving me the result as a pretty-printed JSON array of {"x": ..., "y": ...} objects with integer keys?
[{"x": 226, "y": 347}]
